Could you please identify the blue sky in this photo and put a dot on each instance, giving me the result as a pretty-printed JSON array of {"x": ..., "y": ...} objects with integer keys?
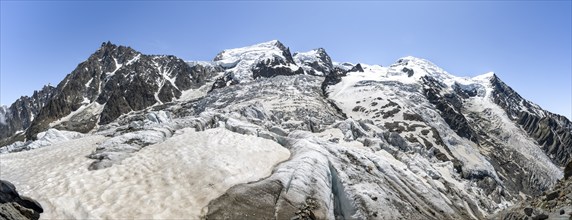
[{"x": 528, "y": 44}]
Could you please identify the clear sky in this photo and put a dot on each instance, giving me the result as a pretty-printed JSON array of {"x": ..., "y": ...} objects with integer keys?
[{"x": 528, "y": 44}]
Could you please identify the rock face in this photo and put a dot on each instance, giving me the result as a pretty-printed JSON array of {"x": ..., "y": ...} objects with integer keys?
[
  {"x": 111, "y": 82},
  {"x": 20, "y": 115},
  {"x": 315, "y": 62},
  {"x": 15, "y": 207},
  {"x": 551, "y": 131},
  {"x": 449, "y": 106}
]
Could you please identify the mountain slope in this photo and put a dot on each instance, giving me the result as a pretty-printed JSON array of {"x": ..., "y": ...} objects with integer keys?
[
  {"x": 454, "y": 118},
  {"x": 406, "y": 141},
  {"x": 20, "y": 115},
  {"x": 113, "y": 81},
  {"x": 551, "y": 131}
]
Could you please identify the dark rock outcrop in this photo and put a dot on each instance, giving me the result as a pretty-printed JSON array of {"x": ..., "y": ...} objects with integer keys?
[
  {"x": 199, "y": 75},
  {"x": 321, "y": 65},
  {"x": 568, "y": 170},
  {"x": 449, "y": 106},
  {"x": 553, "y": 132},
  {"x": 21, "y": 113},
  {"x": 16, "y": 207},
  {"x": 271, "y": 68},
  {"x": 226, "y": 80},
  {"x": 333, "y": 78},
  {"x": 409, "y": 72},
  {"x": 356, "y": 68}
]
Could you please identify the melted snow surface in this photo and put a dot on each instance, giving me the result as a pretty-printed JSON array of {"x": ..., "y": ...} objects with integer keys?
[{"x": 173, "y": 179}]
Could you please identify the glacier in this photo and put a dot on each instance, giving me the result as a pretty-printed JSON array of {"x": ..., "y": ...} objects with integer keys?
[{"x": 263, "y": 133}]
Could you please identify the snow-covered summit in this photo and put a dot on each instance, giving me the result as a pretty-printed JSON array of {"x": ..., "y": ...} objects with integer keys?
[
  {"x": 314, "y": 62},
  {"x": 417, "y": 68},
  {"x": 407, "y": 70},
  {"x": 246, "y": 57},
  {"x": 251, "y": 62},
  {"x": 485, "y": 77},
  {"x": 346, "y": 66}
]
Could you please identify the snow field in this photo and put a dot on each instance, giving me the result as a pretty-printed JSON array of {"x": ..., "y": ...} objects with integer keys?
[{"x": 171, "y": 180}]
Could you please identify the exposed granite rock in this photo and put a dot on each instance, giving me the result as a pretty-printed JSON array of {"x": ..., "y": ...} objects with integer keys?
[
  {"x": 553, "y": 132},
  {"x": 199, "y": 75},
  {"x": 19, "y": 116},
  {"x": 333, "y": 78},
  {"x": 16, "y": 207},
  {"x": 356, "y": 68},
  {"x": 285, "y": 52},
  {"x": 271, "y": 68},
  {"x": 226, "y": 80},
  {"x": 316, "y": 62},
  {"x": 449, "y": 107},
  {"x": 168, "y": 92},
  {"x": 121, "y": 80},
  {"x": 409, "y": 72},
  {"x": 325, "y": 58},
  {"x": 118, "y": 106}
]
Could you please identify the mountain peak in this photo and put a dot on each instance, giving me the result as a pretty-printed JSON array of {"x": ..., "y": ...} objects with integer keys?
[
  {"x": 275, "y": 43},
  {"x": 272, "y": 43},
  {"x": 256, "y": 49},
  {"x": 265, "y": 59},
  {"x": 314, "y": 62},
  {"x": 108, "y": 46},
  {"x": 414, "y": 60},
  {"x": 261, "y": 51},
  {"x": 486, "y": 76},
  {"x": 320, "y": 50},
  {"x": 418, "y": 68}
]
